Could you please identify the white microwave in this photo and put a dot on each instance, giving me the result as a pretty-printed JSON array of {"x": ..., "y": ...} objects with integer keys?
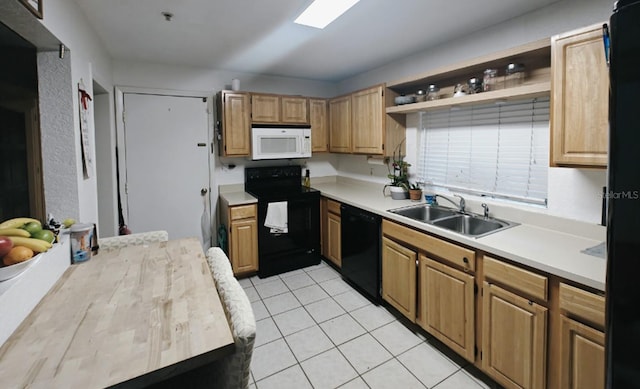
[{"x": 280, "y": 142}]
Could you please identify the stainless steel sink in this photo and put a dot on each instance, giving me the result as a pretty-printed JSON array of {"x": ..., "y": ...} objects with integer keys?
[
  {"x": 423, "y": 212},
  {"x": 463, "y": 223},
  {"x": 472, "y": 225}
]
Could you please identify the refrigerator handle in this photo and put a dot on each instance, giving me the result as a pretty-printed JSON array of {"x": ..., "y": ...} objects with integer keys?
[{"x": 606, "y": 39}]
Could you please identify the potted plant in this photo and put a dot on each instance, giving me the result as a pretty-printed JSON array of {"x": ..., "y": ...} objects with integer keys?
[
  {"x": 399, "y": 176},
  {"x": 415, "y": 192}
]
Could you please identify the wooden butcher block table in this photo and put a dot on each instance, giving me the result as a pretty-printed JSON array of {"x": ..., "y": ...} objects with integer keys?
[{"x": 130, "y": 317}]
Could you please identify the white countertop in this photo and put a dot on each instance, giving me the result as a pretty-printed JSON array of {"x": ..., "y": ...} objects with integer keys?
[
  {"x": 238, "y": 198},
  {"x": 547, "y": 243}
]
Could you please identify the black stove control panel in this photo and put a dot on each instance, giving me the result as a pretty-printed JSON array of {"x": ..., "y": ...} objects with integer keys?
[
  {"x": 272, "y": 173},
  {"x": 272, "y": 178}
]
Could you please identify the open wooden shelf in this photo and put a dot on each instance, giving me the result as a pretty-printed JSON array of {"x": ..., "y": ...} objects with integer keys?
[
  {"x": 536, "y": 57},
  {"x": 521, "y": 92}
]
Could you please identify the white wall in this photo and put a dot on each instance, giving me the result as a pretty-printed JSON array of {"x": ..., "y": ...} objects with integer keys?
[
  {"x": 573, "y": 193},
  {"x": 187, "y": 78},
  {"x": 105, "y": 163}
]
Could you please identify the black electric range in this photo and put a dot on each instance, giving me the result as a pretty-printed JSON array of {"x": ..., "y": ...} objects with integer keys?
[{"x": 299, "y": 246}]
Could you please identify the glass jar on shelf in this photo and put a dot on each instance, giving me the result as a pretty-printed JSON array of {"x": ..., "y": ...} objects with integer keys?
[
  {"x": 475, "y": 85},
  {"x": 514, "y": 75},
  {"x": 489, "y": 80},
  {"x": 432, "y": 92}
]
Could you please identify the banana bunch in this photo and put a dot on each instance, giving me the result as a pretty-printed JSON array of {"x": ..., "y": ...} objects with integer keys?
[
  {"x": 18, "y": 222},
  {"x": 37, "y": 245}
]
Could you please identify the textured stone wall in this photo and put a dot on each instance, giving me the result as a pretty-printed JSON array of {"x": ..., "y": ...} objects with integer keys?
[{"x": 59, "y": 143}]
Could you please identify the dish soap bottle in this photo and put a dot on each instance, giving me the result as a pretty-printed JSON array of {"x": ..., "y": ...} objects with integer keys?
[{"x": 307, "y": 181}]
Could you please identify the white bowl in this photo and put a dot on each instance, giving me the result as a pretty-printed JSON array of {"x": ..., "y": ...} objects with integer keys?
[
  {"x": 8, "y": 272},
  {"x": 400, "y": 100}
]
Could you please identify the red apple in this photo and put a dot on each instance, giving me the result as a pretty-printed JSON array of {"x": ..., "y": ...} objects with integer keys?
[{"x": 5, "y": 245}]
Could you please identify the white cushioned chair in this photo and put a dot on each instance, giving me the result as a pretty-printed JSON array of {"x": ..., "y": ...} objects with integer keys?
[
  {"x": 117, "y": 242},
  {"x": 233, "y": 371}
]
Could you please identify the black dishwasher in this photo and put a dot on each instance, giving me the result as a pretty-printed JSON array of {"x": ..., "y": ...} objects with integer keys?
[{"x": 361, "y": 262}]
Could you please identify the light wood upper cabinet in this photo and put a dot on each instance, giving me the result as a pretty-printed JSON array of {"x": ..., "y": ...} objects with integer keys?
[
  {"x": 514, "y": 338},
  {"x": 368, "y": 121},
  {"x": 579, "y": 99},
  {"x": 295, "y": 110},
  {"x": 447, "y": 306},
  {"x": 265, "y": 108},
  {"x": 234, "y": 113},
  {"x": 319, "y": 121},
  {"x": 340, "y": 124},
  {"x": 273, "y": 109},
  {"x": 399, "y": 277}
]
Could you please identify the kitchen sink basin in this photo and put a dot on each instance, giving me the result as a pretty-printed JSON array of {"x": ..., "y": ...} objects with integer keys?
[
  {"x": 468, "y": 224},
  {"x": 472, "y": 225},
  {"x": 423, "y": 212}
]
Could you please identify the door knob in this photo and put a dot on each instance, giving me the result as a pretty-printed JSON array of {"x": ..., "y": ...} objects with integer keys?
[{"x": 203, "y": 191}]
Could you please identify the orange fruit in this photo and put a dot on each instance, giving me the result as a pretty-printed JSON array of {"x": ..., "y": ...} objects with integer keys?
[{"x": 17, "y": 254}]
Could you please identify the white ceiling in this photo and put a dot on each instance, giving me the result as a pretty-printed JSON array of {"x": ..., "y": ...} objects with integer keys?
[{"x": 259, "y": 36}]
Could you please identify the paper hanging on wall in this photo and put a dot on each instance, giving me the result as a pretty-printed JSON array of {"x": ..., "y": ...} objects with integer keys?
[{"x": 84, "y": 99}]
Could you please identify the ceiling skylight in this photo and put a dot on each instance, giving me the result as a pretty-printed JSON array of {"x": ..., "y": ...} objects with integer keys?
[{"x": 322, "y": 12}]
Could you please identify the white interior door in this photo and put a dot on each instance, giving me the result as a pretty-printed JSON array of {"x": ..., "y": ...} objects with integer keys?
[{"x": 167, "y": 165}]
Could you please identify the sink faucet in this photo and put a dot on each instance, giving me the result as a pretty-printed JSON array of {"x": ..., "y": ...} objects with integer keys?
[
  {"x": 486, "y": 210},
  {"x": 461, "y": 207}
]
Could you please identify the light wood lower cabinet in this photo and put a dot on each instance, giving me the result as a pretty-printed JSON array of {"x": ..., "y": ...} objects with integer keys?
[
  {"x": 399, "y": 277},
  {"x": 507, "y": 330},
  {"x": 582, "y": 351},
  {"x": 447, "y": 306},
  {"x": 331, "y": 232},
  {"x": 244, "y": 248},
  {"x": 334, "y": 252},
  {"x": 514, "y": 338},
  {"x": 242, "y": 230},
  {"x": 583, "y": 363}
]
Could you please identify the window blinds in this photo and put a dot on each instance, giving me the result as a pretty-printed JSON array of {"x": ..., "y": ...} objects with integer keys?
[{"x": 498, "y": 150}]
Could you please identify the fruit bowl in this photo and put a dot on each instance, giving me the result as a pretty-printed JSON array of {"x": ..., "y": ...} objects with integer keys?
[{"x": 8, "y": 272}]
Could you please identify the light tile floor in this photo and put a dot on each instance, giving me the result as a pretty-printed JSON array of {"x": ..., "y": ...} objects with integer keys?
[{"x": 315, "y": 331}]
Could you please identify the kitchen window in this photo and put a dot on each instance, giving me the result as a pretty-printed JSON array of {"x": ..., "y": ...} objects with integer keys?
[{"x": 496, "y": 150}]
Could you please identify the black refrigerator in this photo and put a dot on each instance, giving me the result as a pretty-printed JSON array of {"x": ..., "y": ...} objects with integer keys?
[{"x": 623, "y": 220}]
